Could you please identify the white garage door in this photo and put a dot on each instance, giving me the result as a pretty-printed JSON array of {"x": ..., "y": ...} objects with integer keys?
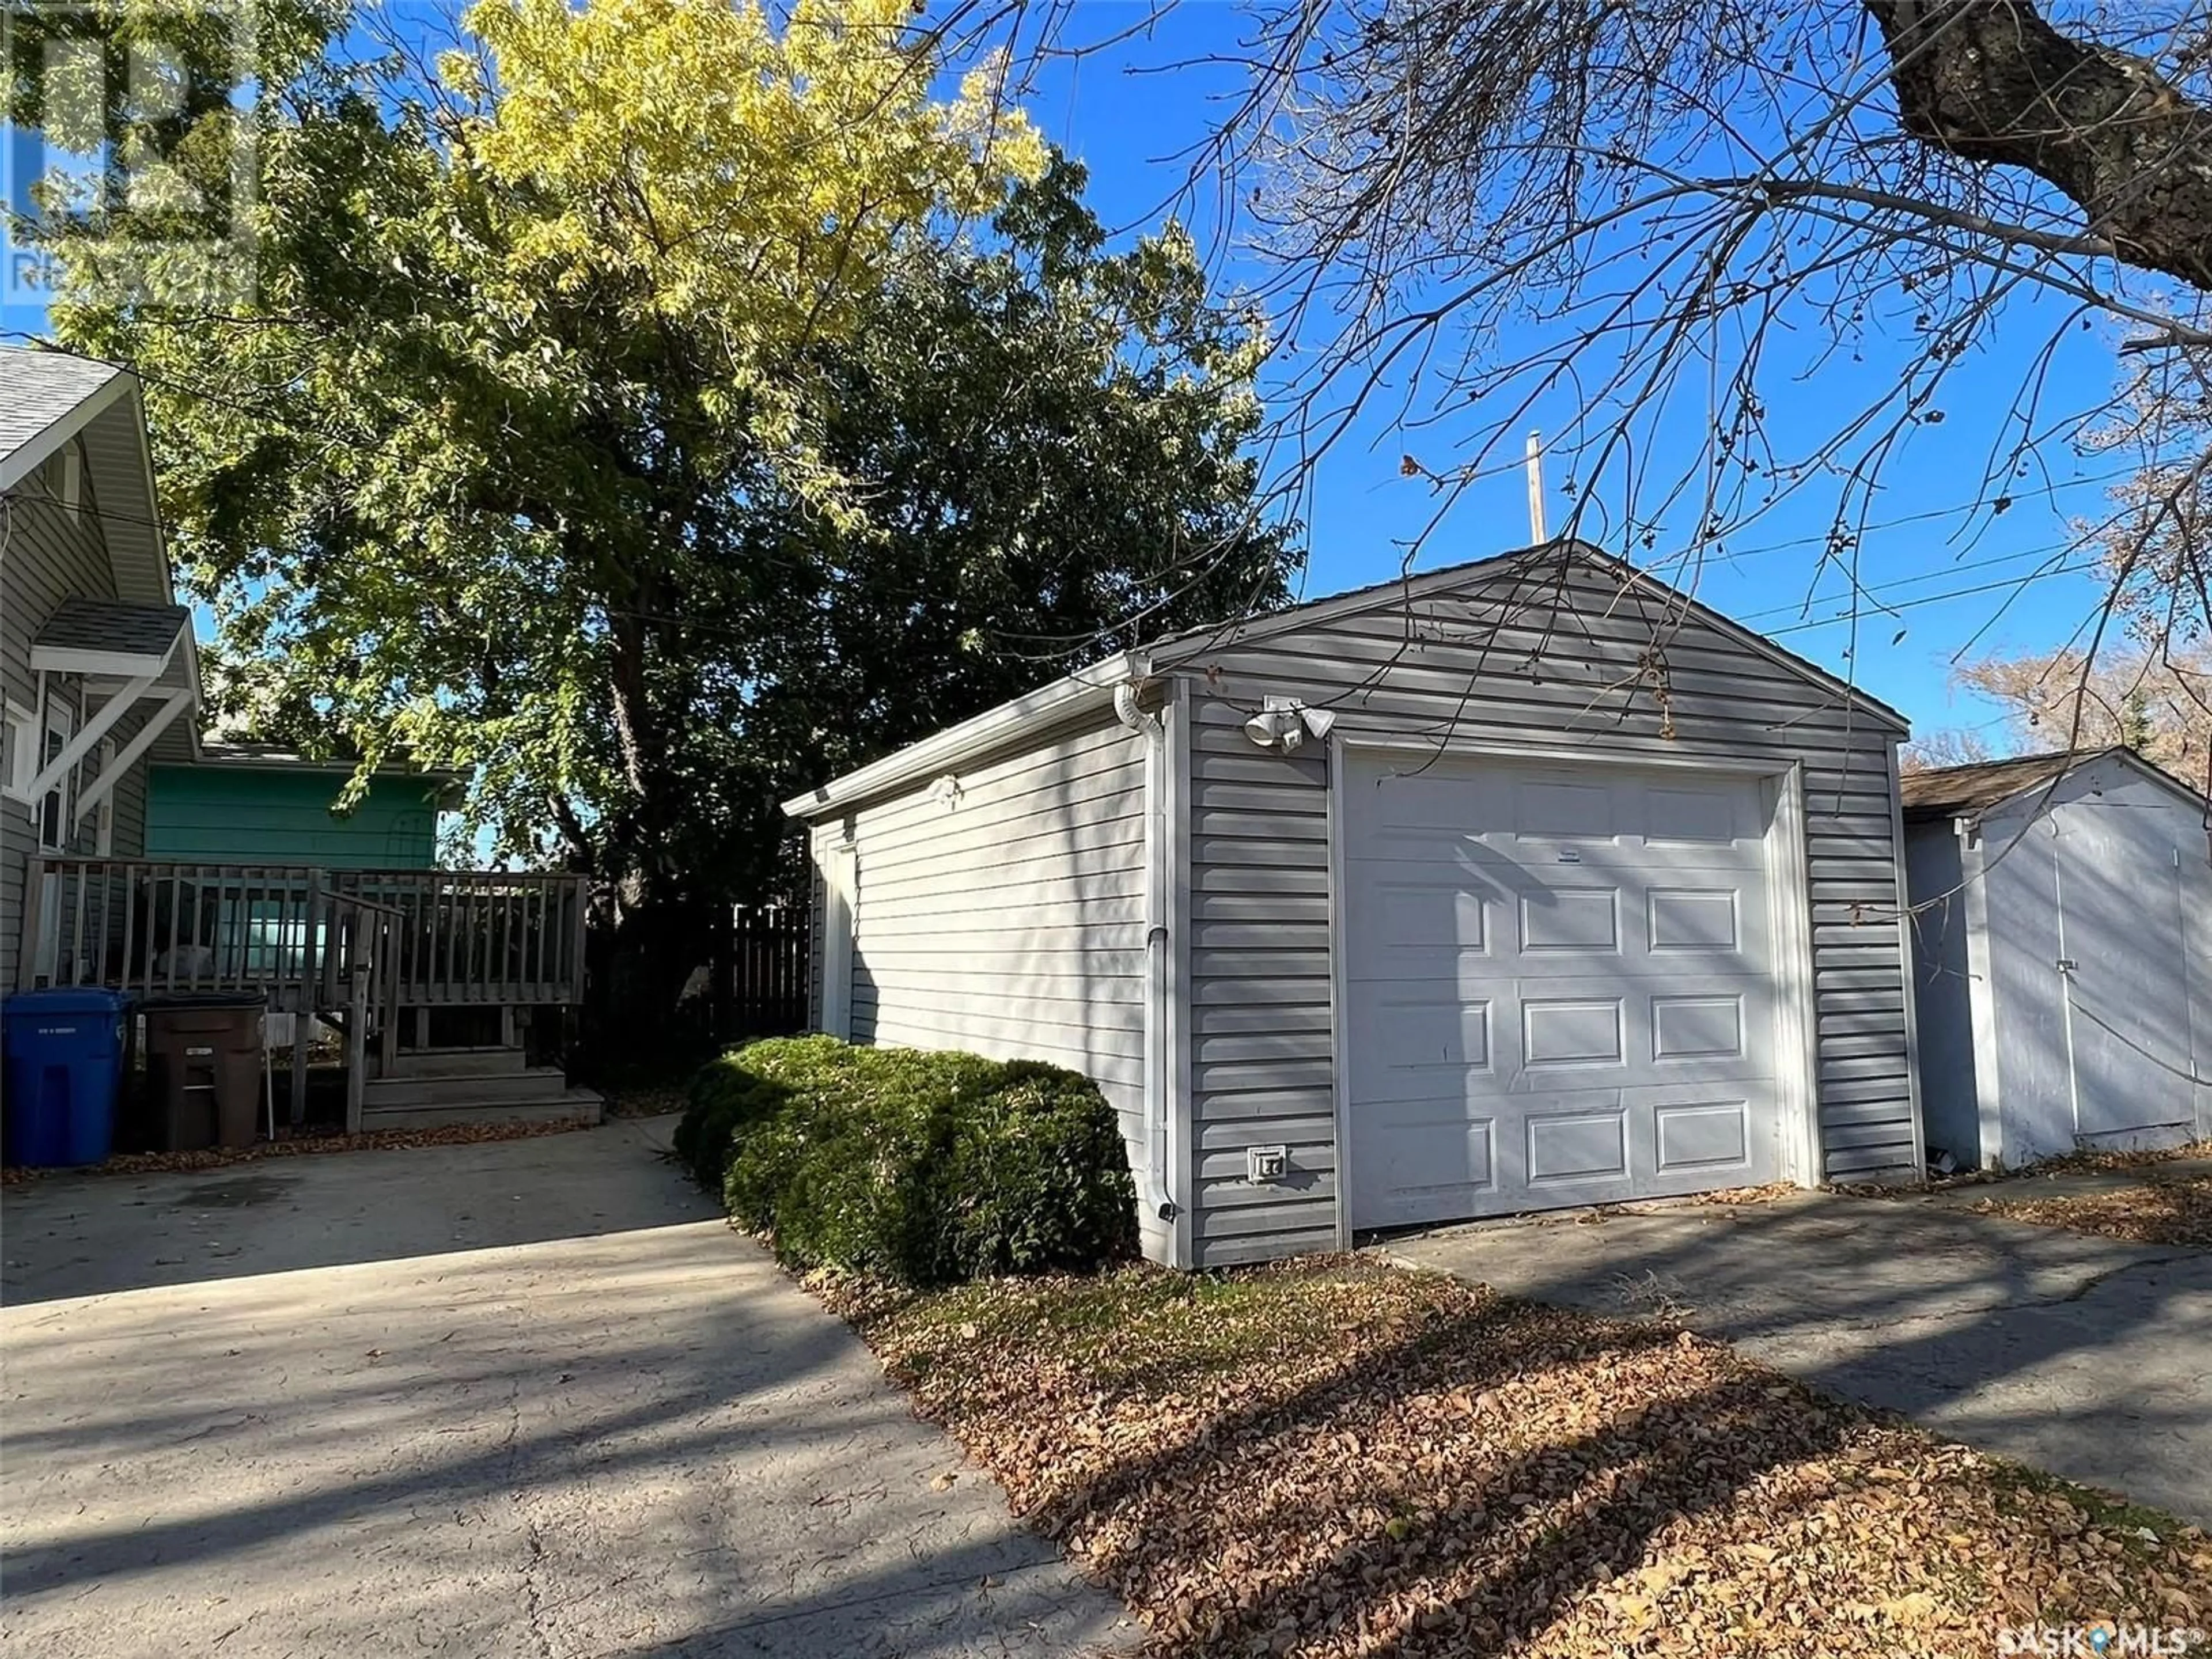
[{"x": 1561, "y": 986}]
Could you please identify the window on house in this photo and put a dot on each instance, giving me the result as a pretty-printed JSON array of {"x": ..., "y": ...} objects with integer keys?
[
  {"x": 64, "y": 477},
  {"x": 53, "y": 807}
]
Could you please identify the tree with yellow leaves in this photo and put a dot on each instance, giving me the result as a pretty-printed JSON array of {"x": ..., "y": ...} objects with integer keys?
[
  {"x": 620, "y": 410},
  {"x": 685, "y": 163}
]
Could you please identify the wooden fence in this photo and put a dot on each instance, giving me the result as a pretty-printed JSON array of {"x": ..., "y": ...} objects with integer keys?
[{"x": 758, "y": 976}]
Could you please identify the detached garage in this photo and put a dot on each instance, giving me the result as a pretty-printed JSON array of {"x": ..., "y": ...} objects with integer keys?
[
  {"x": 2062, "y": 951},
  {"x": 1525, "y": 883}
]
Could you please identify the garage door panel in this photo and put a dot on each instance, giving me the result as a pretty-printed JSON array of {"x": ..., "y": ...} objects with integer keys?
[
  {"x": 1405, "y": 803},
  {"x": 1576, "y": 1146},
  {"x": 1687, "y": 815},
  {"x": 1611, "y": 1037},
  {"x": 1420, "y": 914},
  {"x": 1438, "y": 853},
  {"x": 1566, "y": 809},
  {"x": 1440, "y": 1162},
  {"x": 1699, "y": 1138},
  {"x": 1575, "y": 920},
  {"x": 1670, "y": 1026},
  {"x": 1703, "y": 919},
  {"x": 1575, "y": 1031},
  {"x": 1423, "y": 1050},
  {"x": 1704, "y": 1026}
]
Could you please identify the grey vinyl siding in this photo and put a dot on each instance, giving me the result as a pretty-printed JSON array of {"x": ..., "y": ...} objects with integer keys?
[
  {"x": 1576, "y": 664},
  {"x": 51, "y": 554},
  {"x": 15, "y": 835},
  {"x": 1009, "y": 921}
]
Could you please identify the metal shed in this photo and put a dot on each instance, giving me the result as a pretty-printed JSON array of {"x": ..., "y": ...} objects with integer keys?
[
  {"x": 2062, "y": 955},
  {"x": 1523, "y": 883}
]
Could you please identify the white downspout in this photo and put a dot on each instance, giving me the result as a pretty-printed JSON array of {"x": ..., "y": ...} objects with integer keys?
[{"x": 1152, "y": 1181}]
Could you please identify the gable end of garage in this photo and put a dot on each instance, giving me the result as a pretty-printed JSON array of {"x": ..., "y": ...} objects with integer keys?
[{"x": 1587, "y": 670}]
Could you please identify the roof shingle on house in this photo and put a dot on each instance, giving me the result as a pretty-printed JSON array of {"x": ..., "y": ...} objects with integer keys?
[
  {"x": 38, "y": 388},
  {"x": 115, "y": 626}
]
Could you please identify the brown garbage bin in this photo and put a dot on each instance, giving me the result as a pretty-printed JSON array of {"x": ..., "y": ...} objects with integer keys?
[{"x": 203, "y": 1069}]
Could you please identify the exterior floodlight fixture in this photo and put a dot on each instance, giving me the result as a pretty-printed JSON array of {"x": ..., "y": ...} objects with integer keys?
[{"x": 1285, "y": 724}]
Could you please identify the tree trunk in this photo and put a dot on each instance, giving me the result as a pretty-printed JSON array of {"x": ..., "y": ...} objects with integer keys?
[{"x": 1989, "y": 80}]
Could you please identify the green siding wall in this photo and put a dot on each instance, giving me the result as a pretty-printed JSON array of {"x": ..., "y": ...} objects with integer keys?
[{"x": 245, "y": 815}]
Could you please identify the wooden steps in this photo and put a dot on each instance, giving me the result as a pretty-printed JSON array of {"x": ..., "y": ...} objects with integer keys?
[
  {"x": 436, "y": 1087},
  {"x": 497, "y": 1061},
  {"x": 570, "y": 1106}
]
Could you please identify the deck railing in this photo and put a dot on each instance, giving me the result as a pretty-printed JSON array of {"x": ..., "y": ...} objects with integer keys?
[
  {"x": 475, "y": 936},
  {"x": 433, "y": 937}
]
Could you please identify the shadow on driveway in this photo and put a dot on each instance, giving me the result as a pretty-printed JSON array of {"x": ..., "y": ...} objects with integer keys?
[
  {"x": 481, "y": 1401},
  {"x": 88, "y": 1234},
  {"x": 2077, "y": 1354}
]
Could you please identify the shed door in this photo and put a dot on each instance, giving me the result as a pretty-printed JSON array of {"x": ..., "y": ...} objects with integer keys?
[
  {"x": 2122, "y": 972},
  {"x": 1561, "y": 984}
]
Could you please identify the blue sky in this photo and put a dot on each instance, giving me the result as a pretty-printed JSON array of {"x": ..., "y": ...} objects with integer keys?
[
  {"x": 1132, "y": 120},
  {"x": 1133, "y": 126}
]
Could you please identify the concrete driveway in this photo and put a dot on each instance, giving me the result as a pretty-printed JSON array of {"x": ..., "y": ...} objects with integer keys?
[
  {"x": 522, "y": 1398},
  {"x": 2084, "y": 1356}
]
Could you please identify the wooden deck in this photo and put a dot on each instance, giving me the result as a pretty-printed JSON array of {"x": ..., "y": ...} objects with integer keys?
[
  {"x": 442, "y": 938},
  {"x": 377, "y": 953}
]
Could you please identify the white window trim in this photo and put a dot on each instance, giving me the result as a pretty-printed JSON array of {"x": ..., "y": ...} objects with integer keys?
[
  {"x": 22, "y": 746},
  {"x": 104, "y": 814},
  {"x": 839, "y": 861},
  {"x": 61, "y": 477},
  {"x": 60, "y": 722}
]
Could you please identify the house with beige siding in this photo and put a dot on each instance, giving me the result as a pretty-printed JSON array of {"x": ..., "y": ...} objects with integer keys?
[{"x": 1526, "y": 883}]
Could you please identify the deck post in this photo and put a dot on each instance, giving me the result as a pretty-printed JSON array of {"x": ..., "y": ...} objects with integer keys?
[
  {"x": 34, "y": 921},
  {"x": 387, "y": 1032},
  {"x": 356, "y": 1038},
  {"x": 304, "y": 1004},
  {"x": 303, "y": 1024}
]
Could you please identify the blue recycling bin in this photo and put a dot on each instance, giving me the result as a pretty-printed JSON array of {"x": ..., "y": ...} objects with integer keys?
[{"x": 62, "y": 1071}]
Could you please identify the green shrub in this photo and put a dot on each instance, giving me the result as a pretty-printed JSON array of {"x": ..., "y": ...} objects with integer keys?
[
  {"x": 1038, "y": 1180},
  {"x": 745, "y": 1086},
  {"x": 924, "y": 1167}
]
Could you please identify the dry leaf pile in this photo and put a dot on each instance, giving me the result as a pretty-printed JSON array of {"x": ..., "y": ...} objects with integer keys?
[
  {"x": 296, "y": 1142},
  {"x": 2148, "y": 1158},
  {"x": 643, "y": 1100},
  {"x": 2158, "y": 1212},
  {"x": 1337, "y": 1457}
]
